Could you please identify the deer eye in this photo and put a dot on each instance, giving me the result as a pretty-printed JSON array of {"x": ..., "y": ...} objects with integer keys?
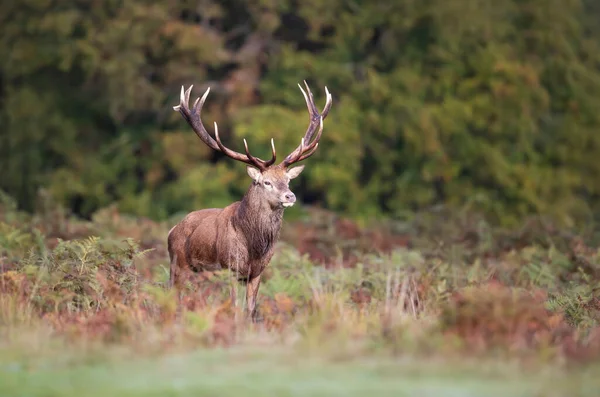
[{"x": 267, "y": 183}]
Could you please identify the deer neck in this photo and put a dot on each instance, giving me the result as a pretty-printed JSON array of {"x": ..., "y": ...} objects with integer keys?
[{"x": 259, "y": 222}]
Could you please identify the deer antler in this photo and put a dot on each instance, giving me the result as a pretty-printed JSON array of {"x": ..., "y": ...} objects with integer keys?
[
  {"x": 193, "y": 118},
  {"x": 306, "y": 147}
]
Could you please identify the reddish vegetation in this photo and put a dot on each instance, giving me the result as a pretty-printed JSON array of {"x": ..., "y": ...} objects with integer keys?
[
  {"x": 11, "y": 283},
  {"x": 104, "y": 324},
  {"x": 326, "y": 236},
  {"x": 224, "y": 328},
  {"x": 113, "y": 302},
  {"x": 494, "y": 315},
  {"x": 277, "y": 312}
]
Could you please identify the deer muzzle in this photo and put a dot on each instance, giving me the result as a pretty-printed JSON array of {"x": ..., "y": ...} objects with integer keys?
[{"x": 289, "y": 199}]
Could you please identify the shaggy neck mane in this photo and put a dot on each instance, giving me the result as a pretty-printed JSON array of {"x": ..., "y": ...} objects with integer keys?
[{"x": 259, "y": 223}]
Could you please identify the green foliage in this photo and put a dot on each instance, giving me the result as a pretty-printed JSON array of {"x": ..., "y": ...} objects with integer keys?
[
  {"x": 81, "y": 275},
  {"x": 459, "y": 103},
  {"x": 287, "y": 274}
]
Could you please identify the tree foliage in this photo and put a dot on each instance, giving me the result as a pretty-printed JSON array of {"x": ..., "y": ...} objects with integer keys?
[{"x": 490, "y": 104}]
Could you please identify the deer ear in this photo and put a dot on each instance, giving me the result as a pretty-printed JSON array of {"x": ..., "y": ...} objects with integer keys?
[
  {"x": 294, "y": 172},
  {"x": 254, "y": 173}
]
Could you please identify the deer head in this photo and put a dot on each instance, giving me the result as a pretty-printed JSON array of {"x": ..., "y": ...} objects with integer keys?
[{"x": 273, "y": 179}]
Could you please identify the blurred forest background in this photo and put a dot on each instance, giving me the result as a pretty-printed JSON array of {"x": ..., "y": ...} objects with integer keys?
[{"x": 494, "y": 105}]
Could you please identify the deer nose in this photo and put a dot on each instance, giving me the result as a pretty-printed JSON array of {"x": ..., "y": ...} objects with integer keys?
[{"x": 290, "y": 197}]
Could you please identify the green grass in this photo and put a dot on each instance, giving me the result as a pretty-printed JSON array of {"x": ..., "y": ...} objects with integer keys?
[{"x": 249, "y": 372}]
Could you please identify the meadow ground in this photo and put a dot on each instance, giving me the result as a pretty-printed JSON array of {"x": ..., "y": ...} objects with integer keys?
[
  {"x": 246, "y": 371},
  {"x": 439, "y": 305}
]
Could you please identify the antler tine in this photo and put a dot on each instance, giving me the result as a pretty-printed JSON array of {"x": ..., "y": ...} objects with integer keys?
[
  {"x": 307, "y": 148},
  {"x": 308, "y": 153},
  {"x": 257, "y": 162},
  {"x": 193, "y": 118},
  {"x": 315, "y": 142},
  {"x": 264, "y": 163},
  {"x": 249, "y": 159},
  {"x": 312, "y": 148},
  {"x": 274, "y": 152},
  {"x": 199, "y": 102},
  {"x": 313, "y": 111},
  {"x": 298, "y": 153}
]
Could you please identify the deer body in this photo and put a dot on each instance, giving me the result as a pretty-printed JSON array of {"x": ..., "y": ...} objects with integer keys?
[{"x": 240, "y": 237}]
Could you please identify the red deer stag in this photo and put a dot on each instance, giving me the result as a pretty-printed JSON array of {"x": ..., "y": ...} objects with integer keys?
[{"x": 241, "y": 236}]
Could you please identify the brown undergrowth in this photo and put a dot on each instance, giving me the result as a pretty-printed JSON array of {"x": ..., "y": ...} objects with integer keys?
[{"x": 461, "y": 288}]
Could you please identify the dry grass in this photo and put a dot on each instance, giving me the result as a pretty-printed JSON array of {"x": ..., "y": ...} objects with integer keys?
[{"x": 461, "y": 291}]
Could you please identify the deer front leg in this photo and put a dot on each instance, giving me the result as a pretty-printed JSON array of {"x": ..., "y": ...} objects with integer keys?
[
  {"x": 233, "y": 286},
  {"x": 173, "y": 272},
  {"x": 175, "y": 282},
  {"x": 251, "y": 293}
]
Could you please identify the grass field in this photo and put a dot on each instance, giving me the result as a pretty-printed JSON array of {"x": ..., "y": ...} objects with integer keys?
[
  {"x": 439, "y": 305},
  {"x": 247, "y": 371}
]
